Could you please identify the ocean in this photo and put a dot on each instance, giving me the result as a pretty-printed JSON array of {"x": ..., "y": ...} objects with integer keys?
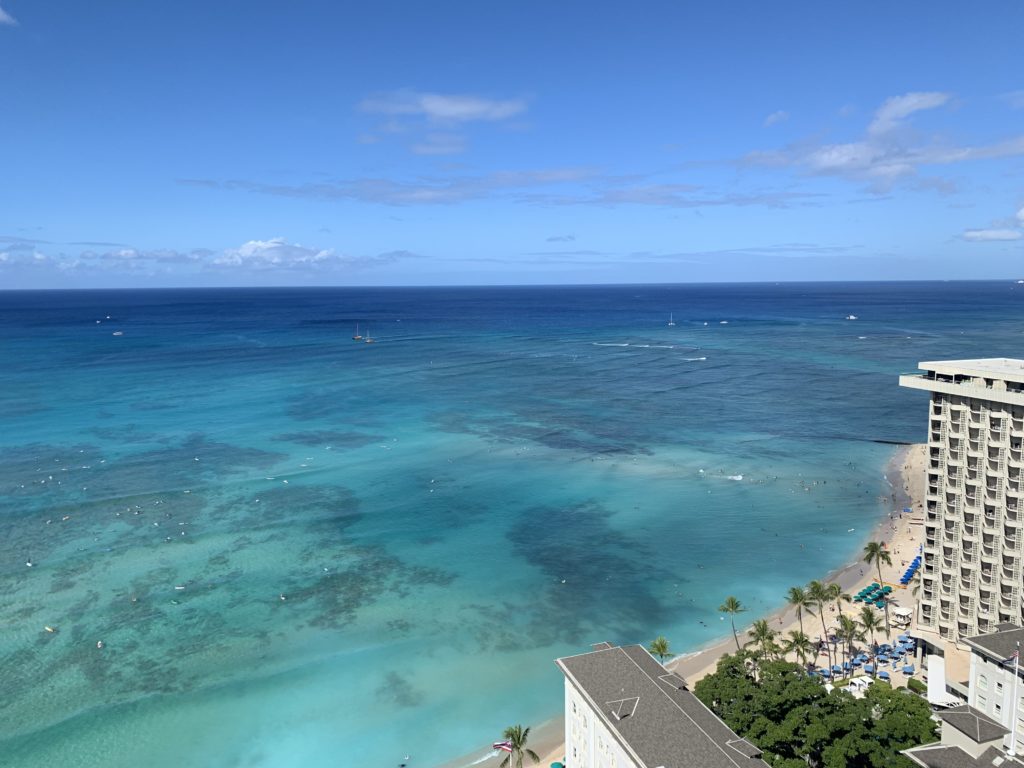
[{"x": 263, "y": 543}]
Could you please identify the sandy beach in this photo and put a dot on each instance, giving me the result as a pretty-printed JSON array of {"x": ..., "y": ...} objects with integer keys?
[{"x": 900, "y": 531}]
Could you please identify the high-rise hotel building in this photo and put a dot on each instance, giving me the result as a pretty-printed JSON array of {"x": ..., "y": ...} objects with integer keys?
[{"x": 972, "y": 574}]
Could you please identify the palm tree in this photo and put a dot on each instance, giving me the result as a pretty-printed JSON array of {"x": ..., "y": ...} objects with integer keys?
[
  {"x": 875, "y": 552},
  {"x": 763, "y": 636},
  {"x": 869, "y": 623},
  {"x": 839, "y": 597},
  {"x": 849, "y": 632},
  {"x": 797, "y": 597},
  {"x": 819, "y": 595},
  {"x": 516, "y": 737},
  {"x": 801, "y": 645},
  {"x": 732, "y": 606},
  {"x": 659, "y": 648}
]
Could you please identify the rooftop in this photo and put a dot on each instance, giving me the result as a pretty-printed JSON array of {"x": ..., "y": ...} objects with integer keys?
[
  {"x": 999, "y": 645},
  {"x": 1000, "y": 379},
  {"x": 652, "y": 714},
  {"x": 991, "y": 367},
  {"x": 945, "y": 756},
  {"x": 973, "y": 723}
]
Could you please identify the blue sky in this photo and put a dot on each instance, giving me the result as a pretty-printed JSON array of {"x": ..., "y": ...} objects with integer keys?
[{"x": 147, "y": 143}]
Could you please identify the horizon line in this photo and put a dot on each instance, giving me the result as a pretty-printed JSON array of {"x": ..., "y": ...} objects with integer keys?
[{"x": 505, "y": 285}]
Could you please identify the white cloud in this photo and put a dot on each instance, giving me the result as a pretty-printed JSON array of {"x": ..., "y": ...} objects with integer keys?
[
  {"x": 275, "y": 253},
  {"x": 6, "y": 18},
  {"x": 990, "y": 235},
  {"x": 776, "y": 117},
  {"x": 885, "y": 155},
  {"x": 895, "y": 109},
  {"x": 999, "y": 230},
  {"x": 442, "y": 108}
]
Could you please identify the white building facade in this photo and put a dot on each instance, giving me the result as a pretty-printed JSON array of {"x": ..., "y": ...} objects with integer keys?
[
  {"x": 972, "y": 574},
  {"x": 588, "y": 740},
  {"x": 992, "y": 689}
]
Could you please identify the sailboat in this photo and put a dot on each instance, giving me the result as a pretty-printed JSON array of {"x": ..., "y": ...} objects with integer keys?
[
  {"x": 357, "y": 337},
  {"x": 369, "y": 339},
  {"x": 671, "y": 320}
]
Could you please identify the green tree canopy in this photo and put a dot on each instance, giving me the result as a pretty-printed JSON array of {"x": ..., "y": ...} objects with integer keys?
[{"x": 797, "y": 723}]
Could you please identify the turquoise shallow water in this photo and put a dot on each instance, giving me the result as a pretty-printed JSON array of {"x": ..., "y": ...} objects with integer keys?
[{"x": 506, "y": 476}]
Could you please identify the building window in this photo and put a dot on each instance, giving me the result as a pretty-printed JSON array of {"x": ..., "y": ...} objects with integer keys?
[
  {"x": 982, "y": 682},
  {"x": 982, "y": 702},
  {"x": 998, "y": 709},
  {"x": 999, "y": 687}
]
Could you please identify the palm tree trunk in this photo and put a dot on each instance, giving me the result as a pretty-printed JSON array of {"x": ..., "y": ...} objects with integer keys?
[
  {"x": 824, "y": 637},
  {"x": 888, "y": 630},
  {"x": 732, "y": 621}
]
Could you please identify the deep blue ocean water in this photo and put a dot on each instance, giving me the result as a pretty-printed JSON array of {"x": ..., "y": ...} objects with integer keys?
[{"x": 300, "y": 549}]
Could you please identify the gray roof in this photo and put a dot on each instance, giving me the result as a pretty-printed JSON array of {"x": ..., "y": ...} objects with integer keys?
[
  {"x": 945, "y": 756},
  {"x": 975, "y": 724},
  {"x": 1000, "y": 644},
  {"x": 668, "y": 726}
]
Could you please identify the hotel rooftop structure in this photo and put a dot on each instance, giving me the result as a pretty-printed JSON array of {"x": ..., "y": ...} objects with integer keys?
[
  {"x": 624, "y": 710},
  {"x": 972, "y": 576}
]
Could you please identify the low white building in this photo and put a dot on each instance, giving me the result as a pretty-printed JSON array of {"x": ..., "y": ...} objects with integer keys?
[
  {"x": 969, "y": 739},
  {"x": 625, "y": 710},
  {"x": 992, "y": 686},
  {"x": 980, "y": 734}
]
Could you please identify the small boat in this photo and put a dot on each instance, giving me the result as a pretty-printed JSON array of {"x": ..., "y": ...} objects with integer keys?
[
  {"x": 851, "y": 317},
  {"x": 369, "y": 339},
  {"x": 118, "y": 333},
  {"x": 671, "y": 320},
  {"x": 179, "y": 587},
  {"x": 357, "y": 336},
  {"x": 50, "y": 629}
]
